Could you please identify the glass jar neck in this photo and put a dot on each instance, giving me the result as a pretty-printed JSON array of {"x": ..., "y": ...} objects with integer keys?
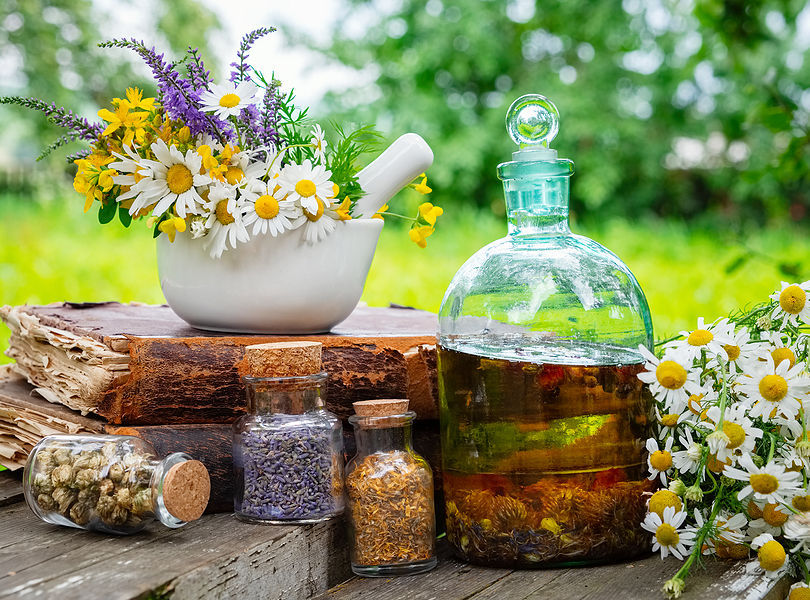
[
  {"x": 285, "y": 395},
  {"x": 536, "y": 196},
  {"x": 382, "y": 434}
]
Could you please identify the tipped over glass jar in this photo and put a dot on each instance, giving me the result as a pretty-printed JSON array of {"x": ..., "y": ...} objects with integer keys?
[{"x": 112, "y": 484}]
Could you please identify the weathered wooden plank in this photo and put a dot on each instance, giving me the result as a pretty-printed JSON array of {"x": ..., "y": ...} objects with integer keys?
[
  {"x": 10, "y": 488},
  {"x": 217, "y": 556}
]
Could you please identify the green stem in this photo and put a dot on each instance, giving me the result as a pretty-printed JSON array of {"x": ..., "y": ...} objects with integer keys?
[
  {"x": 697, "y": 550},
  {"x": 390, "y": 214},
  {"x": 771, "y": 450}
]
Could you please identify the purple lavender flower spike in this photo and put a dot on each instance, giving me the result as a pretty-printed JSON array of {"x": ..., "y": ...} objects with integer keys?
[{"x": 240, "y": 69}]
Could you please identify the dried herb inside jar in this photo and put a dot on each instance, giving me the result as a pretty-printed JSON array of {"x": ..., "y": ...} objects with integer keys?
[{"x": 391, "y": 503}]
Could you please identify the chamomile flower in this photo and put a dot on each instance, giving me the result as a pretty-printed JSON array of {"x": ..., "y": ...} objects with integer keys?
[
  {"x": 725, "y": 531},
  {"x": 320, "y": 144},
  {"x": 738, "y": 434},
  {"x": 266, "y": 213},
  {"x": 772, "y": 519},
  {"x": 799, "y": 591},
  {"x": 770, "y": 554},
  {"x": 705, "y": 338},
  {"x": 774, "y": 390},
  {"x": 671, "y": 379},
  {"x": 225, "y": 101},
  {"x": 224, "y": 220},
  {"x": 669, "y": 422},
  {"x": 659, "y": 461},
  {"x": 306, "y": 184},
  {"x": 797, "y": 528},
  {"x": 667, "y": 538},
  {"x": 793, "y": 306},
  {"x": 739, "y": 347},
  {"x": 771, "y": 482},
  {"x": 317, "y": 225},
  {"x": 776, "y": 347},
  {"x": 688, "y": 459},
  {"x": 171, "y": 179}
]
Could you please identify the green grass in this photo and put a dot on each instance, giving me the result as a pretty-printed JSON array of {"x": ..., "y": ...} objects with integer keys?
[{"x": 52, "y": 252}]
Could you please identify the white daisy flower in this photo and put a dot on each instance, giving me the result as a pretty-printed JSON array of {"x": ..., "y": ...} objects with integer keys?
[
  {"x": 698, "y": 405},
  {"x": 667, "y": 538},
  {"x": 672, "y": 379},
  {"x": 772, "y": 518},
  {"x": 727, "y": 530},
  {"x": 776, "y": 347},
  {"x": 669, "y": 422},
  {"x": 265, "y": 212},
  {"x": 771, "y": 556},
  {"x": 771, "y": 483},
  {"x": 803, "y": 591},
  {"x": 710, "y": 338},
  {"x": 775, "y": 390},
  {"x": 688, "y": 459},
  {"x": 171, "y": 179},
  {"x": 738, "y": 435},
  {"x": 225, "y": 101},
  {"x": 659, "y": 461},
  {"x": 793, "y": 306},
  {"x": 320, "y": 143},
  {"x": 305, "y": 184},
  {"x": 224, "y": 220},
  {"x": 317, "y": 225},
  {"x": 739, "y": 349}
]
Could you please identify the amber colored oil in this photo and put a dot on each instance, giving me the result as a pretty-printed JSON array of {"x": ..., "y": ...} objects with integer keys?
[{"x": 543, "y": 463}]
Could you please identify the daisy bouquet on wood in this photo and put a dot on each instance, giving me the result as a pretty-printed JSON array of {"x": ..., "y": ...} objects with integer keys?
[
  {"x": 224, "y": 161},
  {"x": 731, "y": 441}
]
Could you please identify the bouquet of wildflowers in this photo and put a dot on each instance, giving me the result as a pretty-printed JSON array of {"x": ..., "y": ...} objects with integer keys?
[
  {"x": 731, "y": 441},
  {"x": 225, "y": 162}
]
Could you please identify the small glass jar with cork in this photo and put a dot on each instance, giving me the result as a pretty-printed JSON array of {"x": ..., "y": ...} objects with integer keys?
[
  {"x": 112, "y": 484},
  {"x": 389, "y": 490},
  {"x": 288, "y": 449}
]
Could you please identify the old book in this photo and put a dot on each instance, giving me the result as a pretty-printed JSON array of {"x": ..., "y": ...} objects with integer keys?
[
  {"x": 25, "y": 418},
  {"x": 135, "y": 364}
]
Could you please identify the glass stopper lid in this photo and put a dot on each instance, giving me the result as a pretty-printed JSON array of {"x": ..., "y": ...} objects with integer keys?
[{"x": 533, "y": 122}]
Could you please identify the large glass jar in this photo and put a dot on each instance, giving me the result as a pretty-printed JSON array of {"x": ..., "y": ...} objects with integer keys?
[
  {"x": 287, "y": 452},
  {"x": 543, "y": 420},
  {"x": 112, "y": 483},
  {"x": 389, "y": 487}
]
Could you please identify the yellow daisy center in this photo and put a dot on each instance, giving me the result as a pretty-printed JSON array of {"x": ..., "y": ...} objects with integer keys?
[
  {"x": 781, "y": 354},
  {"x": 772, "y": 516},
  {"x": 735, "y": 433},
  {"x": 223, "y": 215},
  {"x": 764, "y": 483},
  {"x": 670, "y": 420},
  {"x": 801, "y": 503},
  {"x": 317, "y": 215},
  {"x": 754, "y": 511},
  {"x": 234, "y": 175},
  {"x": 266, "y": 207},
  {"x": 229, "y": 100},
  {"x": 773, "y": 387},
  {"x": 771, "y": 555},
  {"x": 792, "y": 299},
  {"x": 732, "y": 351},
  {"x": 661, "y": 460},
  {"x": 663, "y": 499},
  {"x": 671, "y": 375},
  {"x": 179, "y": 179},
  {"x": 801, "y": 593},
  {"x": 694, "y": 403},
  {"x": 305, "y": 188},
  {"x": 666, "y": 535},
  {"x": 700, "y": 337}
]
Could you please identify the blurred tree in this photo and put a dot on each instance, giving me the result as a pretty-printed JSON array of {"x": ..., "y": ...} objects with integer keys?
[
  {"x": 48, "y": 50},
  {"x": 670, "y": 107}
]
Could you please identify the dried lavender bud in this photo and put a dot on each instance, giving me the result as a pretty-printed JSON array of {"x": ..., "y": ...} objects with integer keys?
[
  {"x": 106, "y": 487},
  {"x": 62, "y": 456},
  {"x": 61, "y": 475},
  {"x": 86, "y": 478},
  {"x": 289, "y": 474},
  {"x": 46, "y": 502},
  {"x": 116, "y": 473},
  {"x": 80, "y": 513},
  {"x": 142, "y": 502}
]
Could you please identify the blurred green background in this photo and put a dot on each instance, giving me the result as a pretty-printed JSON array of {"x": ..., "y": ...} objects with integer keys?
[{"x": 688, "y": 123}]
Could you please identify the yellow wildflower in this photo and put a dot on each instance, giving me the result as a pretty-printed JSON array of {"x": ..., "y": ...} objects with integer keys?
[
  {"x": 92, "y": 179},
  {"x": 132, "y": 122},
  {"x": 422, "y": 186},
  {"x": 419, "y": 235},
  {"x": 383, "y": 208},
  {"x": 136, "y": 100},
  {"x": 171, "y": 226},
  {"x": 429, "y": 212},
  {"x": 343, "y": 210}
]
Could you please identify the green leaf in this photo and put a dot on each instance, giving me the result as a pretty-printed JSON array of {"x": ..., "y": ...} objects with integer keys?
[
  {"x": 107, "y": 212},
  {"x": 737, "y": 264},
  {"x": 156, "y": 232},
  {"x": 792, "y": 270},
  {"x": 124, "y": 216}
]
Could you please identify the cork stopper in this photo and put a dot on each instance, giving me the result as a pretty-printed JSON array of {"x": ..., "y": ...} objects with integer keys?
[
  {"x": 283, "y": 359},
  {"x": 380, "y": 408},
  {"x": 186, "y": 488}
]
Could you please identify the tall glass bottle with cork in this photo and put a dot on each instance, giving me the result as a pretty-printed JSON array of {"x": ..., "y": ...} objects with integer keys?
[{"x": 543, "y": 420}]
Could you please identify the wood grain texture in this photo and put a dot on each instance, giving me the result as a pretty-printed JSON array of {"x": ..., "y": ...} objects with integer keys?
[
  {"x": 216, "y": 557},
  {"x": 10, "y": 487},
  {"x": 638, "y": 580}
]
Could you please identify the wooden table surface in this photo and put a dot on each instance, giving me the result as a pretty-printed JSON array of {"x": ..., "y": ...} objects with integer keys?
[{"x": 220, "y": 557}]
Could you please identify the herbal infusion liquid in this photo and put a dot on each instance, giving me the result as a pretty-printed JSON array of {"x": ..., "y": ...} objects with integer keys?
[{"x": 542, "y": 462}]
